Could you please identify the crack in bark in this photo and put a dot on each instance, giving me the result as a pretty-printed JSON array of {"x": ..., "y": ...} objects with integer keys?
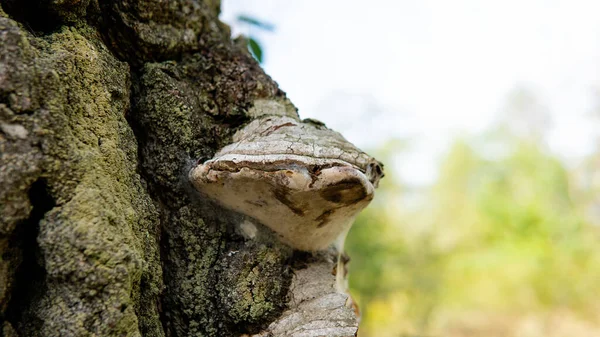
[{"x": 30, "y": 276}]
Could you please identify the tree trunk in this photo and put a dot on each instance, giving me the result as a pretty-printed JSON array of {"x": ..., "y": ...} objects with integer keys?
[{"x": 104, "y": 108}]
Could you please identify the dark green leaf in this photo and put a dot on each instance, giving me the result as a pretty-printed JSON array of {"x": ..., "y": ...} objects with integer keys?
[{"x": 255, "y": 49}]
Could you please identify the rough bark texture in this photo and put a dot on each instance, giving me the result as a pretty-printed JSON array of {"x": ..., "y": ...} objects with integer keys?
[{"x": 104, "y": 107}]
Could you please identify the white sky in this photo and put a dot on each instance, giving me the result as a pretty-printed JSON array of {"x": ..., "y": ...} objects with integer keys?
[{"x": 432, "y": 69}]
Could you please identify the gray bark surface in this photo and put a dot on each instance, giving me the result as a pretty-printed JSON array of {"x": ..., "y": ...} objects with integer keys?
[{"x": 104, "y": 108}]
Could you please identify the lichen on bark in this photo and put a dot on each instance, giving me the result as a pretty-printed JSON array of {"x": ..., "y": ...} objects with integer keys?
[{"x": 75, "y": 215}]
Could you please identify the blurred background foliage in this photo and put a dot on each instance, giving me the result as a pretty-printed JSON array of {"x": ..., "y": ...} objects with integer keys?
[{"x": 501, "y": 244}]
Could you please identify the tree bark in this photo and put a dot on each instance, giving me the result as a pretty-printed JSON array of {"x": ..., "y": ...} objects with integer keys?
[{"x": 104, "y": 108}]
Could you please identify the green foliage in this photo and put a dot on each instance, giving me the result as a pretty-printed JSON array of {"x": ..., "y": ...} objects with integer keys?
[
  {"x": 255, "y": 49},
  {"x": 498, "y": 233}
]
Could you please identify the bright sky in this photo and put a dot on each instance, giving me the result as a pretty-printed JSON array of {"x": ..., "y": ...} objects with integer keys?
[{"x": 432, "y": 69}]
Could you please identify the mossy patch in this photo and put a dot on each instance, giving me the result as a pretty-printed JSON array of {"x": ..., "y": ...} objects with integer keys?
[
  {"x": 99, "y": 241},
  {"x": 254, "y": 283}
]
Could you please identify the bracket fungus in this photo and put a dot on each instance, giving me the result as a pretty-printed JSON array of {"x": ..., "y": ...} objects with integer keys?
[{"x": 299, "y": 178}]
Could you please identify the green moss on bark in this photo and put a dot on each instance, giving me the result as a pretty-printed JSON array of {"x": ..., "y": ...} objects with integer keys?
[
  {"x": 97, "y": 244},
  {"x": 254, "y": 283}
]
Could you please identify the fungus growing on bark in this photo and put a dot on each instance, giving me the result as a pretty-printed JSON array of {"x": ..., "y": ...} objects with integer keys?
[{"x": 299, "y": 178}]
